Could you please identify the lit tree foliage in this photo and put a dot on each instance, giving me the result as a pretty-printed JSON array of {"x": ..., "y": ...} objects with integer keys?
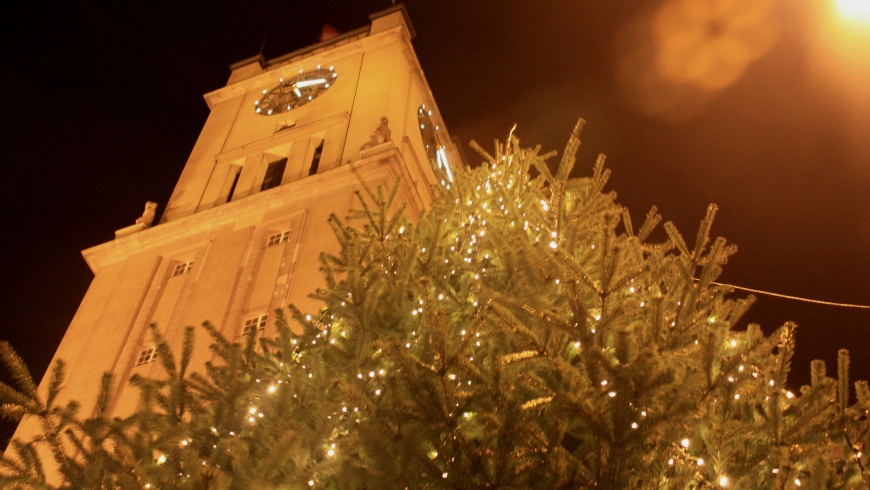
[{"x": 521, "y": 333}]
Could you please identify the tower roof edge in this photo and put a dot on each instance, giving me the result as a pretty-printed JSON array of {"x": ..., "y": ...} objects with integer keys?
[{"x": 400, "y": 8}]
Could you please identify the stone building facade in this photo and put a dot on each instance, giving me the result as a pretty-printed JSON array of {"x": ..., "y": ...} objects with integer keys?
[{"x": 285, "y": 145}]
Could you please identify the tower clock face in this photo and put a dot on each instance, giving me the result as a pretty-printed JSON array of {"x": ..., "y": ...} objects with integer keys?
[{"x": 296, "y": 92}]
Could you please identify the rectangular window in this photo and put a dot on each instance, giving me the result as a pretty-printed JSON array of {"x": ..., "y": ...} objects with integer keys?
[
  {"x": 274, "y": 174},
  {"x": 146, "y": 356},
  {"x": 315, "y": 160},
  {"x": 278, "y": 238},
  {"x": 182, "y": 268},
  {"x": 254, "y": 323}
]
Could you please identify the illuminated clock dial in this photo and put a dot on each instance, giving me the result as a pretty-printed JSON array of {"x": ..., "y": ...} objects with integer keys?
[{"x": 296, "y": 92}]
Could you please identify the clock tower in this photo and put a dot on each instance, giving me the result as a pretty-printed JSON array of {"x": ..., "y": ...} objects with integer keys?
[{"x": 287, "y": 143}]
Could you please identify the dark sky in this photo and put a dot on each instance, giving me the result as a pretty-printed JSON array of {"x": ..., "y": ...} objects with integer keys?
[{"x": 103, "y": 103}]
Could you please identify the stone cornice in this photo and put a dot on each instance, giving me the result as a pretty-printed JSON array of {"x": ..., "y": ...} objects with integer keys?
[
  {"x": 304, "y": 192},
  {"x": 282, "y": 136}
]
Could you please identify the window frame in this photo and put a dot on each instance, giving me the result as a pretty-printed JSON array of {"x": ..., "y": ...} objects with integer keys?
[
  {"x": 257, "y": 322},
  {"x": 182, "y": 268},
  {"x": 278, "y": 238},
  {"x": 146, "y": 356}
]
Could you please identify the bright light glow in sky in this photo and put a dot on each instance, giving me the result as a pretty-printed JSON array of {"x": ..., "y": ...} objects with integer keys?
[{"x": 854, "y": 9}]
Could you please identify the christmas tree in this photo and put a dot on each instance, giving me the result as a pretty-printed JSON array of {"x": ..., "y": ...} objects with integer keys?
[{"x": 522, "y": 333}]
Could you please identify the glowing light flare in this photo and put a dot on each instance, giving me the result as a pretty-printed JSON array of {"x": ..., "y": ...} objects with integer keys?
[
  {"x": 839, "y": 40},
  {"x": 673, "y": 61},
  {"x": 710, "y": 47},
  {"x": 854, "y": 9}
]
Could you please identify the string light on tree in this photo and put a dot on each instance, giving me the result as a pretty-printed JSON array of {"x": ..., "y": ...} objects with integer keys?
[{"x": 492, "y": 339}]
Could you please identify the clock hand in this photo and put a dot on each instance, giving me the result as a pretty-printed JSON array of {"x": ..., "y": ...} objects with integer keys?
[{"x": 308, "y": 83}]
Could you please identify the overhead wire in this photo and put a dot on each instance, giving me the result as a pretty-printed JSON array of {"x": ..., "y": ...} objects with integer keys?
[{"x": 795, "y": 298}]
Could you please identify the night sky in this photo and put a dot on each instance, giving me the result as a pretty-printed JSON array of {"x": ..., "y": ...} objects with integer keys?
[{"x": 103, "y": 103}]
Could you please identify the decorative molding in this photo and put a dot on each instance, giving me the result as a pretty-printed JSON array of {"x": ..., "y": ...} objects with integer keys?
[
  {"x": 280, "y": 137},
  {"x": 387, "y": 164}
]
